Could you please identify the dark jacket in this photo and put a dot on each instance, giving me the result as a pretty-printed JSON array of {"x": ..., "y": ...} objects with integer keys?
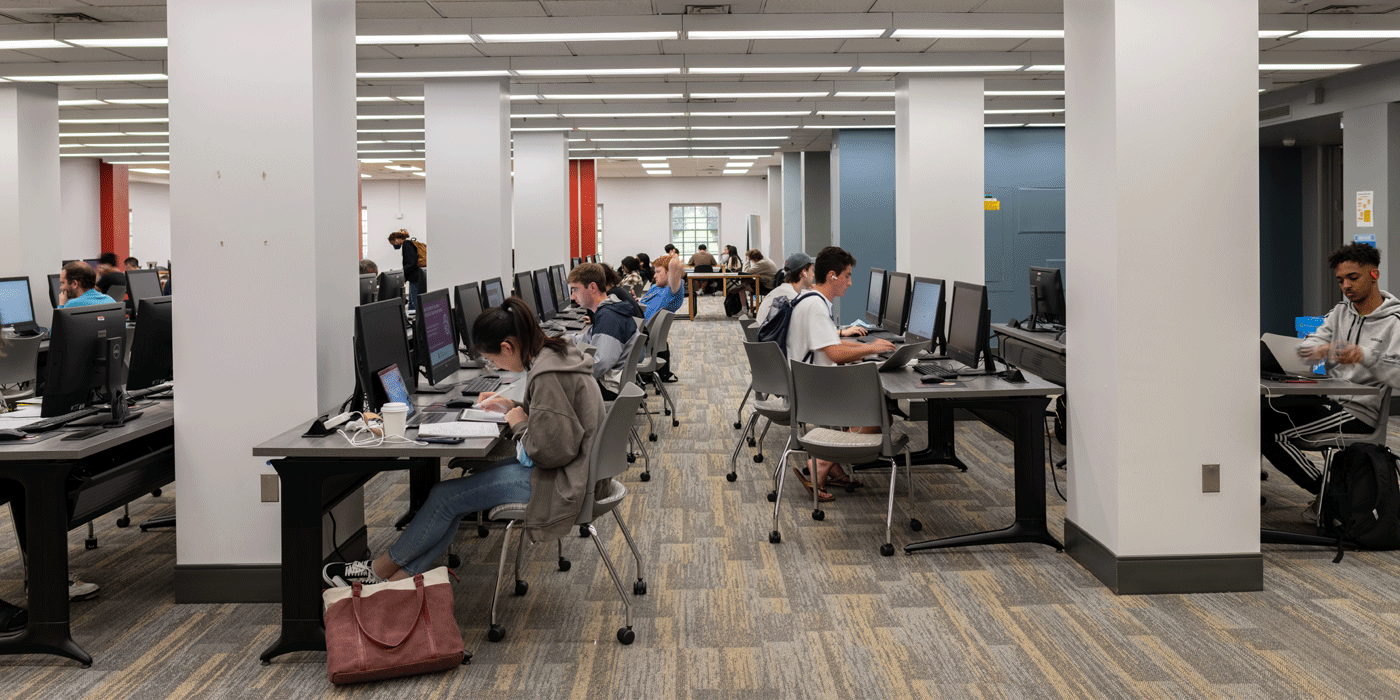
[
  {"x": 612, "y": 332},
  {"x": 565, "y": 414},
  {"x": 411, "y": 271}
]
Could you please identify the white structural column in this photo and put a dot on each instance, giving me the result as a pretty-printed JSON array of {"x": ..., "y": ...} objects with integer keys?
[
  {"x": 29, "y": 189},
  {"x": 792, "y": 203},
  {"x": 1371, "y": 170},
  {"x": 468, "y": 184},
  {"x": 1156, "y": 189},
  {"x": 267, "y": 195},
  {"x": 542, "y": 199},
  {"x": 774, "y": 238},
  {"x": 939, "y": 219}
]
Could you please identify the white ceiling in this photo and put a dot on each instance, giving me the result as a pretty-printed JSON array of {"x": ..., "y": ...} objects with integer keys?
[{"x": 734, "y": 69}]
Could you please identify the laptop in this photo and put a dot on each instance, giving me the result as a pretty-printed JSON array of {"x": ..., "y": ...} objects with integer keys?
[
  {"x": 1278, "y": 358},
  {"x": 903, "y": 355},
  {"x": 394, "y": 389}
]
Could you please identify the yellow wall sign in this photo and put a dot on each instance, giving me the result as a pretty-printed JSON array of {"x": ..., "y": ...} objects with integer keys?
[{"x": 990, "y": 204}]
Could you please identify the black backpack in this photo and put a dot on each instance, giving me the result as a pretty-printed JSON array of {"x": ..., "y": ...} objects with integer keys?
[
  {"x": 774, "y": 329},
  {"x": 1360, "y": 501}
]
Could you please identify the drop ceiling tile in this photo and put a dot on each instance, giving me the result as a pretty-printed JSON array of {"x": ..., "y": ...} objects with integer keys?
[
  {"x": 75, "y": 54},
  {"x": 886, "y": 45},
  {"x": 809, "y": 6},
  {"x": 489, "y": 8},
  {"x": 924, "y": 5},
  {"x": 1386, "y": 45},
  {"x": 989, "y": 45},
  {"x": 596, "y": 8},
  {"x": 554, "y": 48},
  {"x": 372, "y": 52},
  {"x": 1320, "y": 45},
  {"x": 677, "y": 7},
  {"x": 1051, "y": 45},
  {"x": 141, "y": 54},
  {"x": 702, "y": 47},
  {"x": 140, "y": 13},
  {"x": 1022, "y": 6},
  {"x": 615, "y": 48},
  {"x": 393, "y": 10},
  {"x": 797, "y": 45},
  {"x": 434, "y": 51}
]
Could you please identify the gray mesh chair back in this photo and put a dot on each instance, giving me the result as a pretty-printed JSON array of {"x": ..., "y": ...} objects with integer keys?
[
  {"x": 629, "y": 368},
  {"x": 857, "y": 385},
  {"x": 608, "y": 458},
  {"x": 768, "y": 369},
  {"x": 661, "y": 330},
  {"x": 750, "y": 331},
  {"x": 117, "y": 292},
  {"x": 20, "y": 364}
]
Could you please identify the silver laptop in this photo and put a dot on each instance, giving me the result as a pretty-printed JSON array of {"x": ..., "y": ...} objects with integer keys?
[{"x": 1285, "y": 352}]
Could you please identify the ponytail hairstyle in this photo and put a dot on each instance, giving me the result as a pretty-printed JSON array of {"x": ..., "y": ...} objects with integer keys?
[{"x": 514, "y": 321}]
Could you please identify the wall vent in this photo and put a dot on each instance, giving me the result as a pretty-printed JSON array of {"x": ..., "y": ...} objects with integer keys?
[
  {"x": 1275, "y": 112},
  {"x": 707, "y": 9}
]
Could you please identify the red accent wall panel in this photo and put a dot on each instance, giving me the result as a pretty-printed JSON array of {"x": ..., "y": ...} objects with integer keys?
[
  {"x": 574, "y": 243},
  {"x": 115, "y": 204},
  {"x": 587, "y": 208}
]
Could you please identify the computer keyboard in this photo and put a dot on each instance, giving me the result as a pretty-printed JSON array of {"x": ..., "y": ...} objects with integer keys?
[
  {"x": 150, "y": 391},
  {"x": 872, "y": 337},
  {"x": 47, "y": 424},
  {"x": 481, "y": 385},
  {"x": 929, "y": 369}
]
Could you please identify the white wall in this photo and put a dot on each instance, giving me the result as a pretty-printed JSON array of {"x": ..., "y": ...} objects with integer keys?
[
  {"x": 637, "y": 214},
  {"x": 150, "y": 222},
  {"x": 392, "y": 205},
  {"x": 80, "y": 221}
]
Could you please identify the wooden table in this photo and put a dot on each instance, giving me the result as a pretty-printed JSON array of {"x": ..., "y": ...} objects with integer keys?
[{"x": 693, "y": 277}]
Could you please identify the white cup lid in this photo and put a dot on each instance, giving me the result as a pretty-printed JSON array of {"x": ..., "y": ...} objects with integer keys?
[{"x": 394, "y": 406}]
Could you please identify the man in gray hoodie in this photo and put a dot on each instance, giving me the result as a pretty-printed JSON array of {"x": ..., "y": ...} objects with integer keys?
[
  {"x": 1360, "y": 340},
  {"x": 612, "y": 330}
]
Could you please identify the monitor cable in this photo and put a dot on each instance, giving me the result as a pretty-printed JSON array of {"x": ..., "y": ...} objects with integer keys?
[{"x": 1050, "y": 457}]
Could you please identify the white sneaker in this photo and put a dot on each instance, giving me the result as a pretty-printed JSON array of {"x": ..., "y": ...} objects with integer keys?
[
  {"x": 345, "y": 574},
  {"x": 1310, "y": 514},
  {"x": 81, "y": 590}
]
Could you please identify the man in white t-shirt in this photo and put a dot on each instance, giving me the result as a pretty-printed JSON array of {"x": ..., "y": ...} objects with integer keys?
[
  {"x": 813, "y": 337},
  {"x": 797, "y": 279}
]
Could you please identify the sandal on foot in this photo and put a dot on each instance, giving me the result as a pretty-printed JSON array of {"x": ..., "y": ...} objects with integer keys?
[
  {"x": 822, "y": 495},
  {"x": 843, "y": 479}
]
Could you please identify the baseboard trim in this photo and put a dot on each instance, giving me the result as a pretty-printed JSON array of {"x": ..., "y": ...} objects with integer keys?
[
  {"x": 1145, "y": 575},
  {"x": 247, "y": 583}
]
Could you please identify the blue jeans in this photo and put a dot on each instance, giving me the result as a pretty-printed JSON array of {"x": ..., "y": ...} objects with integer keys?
[
  {"x": 435, "y": 525},
  {"x": 414, "y": 289}
]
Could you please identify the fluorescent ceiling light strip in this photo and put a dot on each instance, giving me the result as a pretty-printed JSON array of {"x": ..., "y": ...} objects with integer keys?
[
  {"x": 657, "y": 164},
  {"x": 619, "y": 96},
  {"x": 146, "y": 43},
  {"x": 1045, "y": 68},
  {"x": 80, "y": 103},
  {"x": 865, "y": 94},
  {"x": 978, "y": 34},
  {"x": 731, "y": 148},
  {"x": 162, "y": 153},
  {"x": 422, "y": 174},
  {"x": 142, "y": 101},
  {"x": 1308, "y": 66},
  {"x": 151, "y": 171},
  {"x": 1040, "y": 125},
  {"x": 72, "y": 145},
  {"x": 359, "y": 142},
  {"x": 664, "y": 138},
  {"x": 435, "y": 74},
  {"x": 848, "y": 126},
  {"x": 658, "y": 172},
  {"x": 630, "y": 148},
  {"x": 712, "y": 70},
  {"x": 126, "y": 120},
  {"x": 793, "y": 113},
  {"x": 618, "y": 128},
  {"x": 20, "y": 44},
  {"x": 90, "y": 134},
  {"x": 541, "y": 128},
  {"x": 147, "y": 133},
  {"x": 855, "y": 113},
  {"x": 115, "y": 145},
  {"x": 390, "y": 131},
  {"x": 1023, "y": 93},
  {"x": 412, "y": 141},
  {"x": 719, "y": 128},
  {"x": 139, "y": 162},
  {"x": 99, "y": 155},
  {"x": 598, "y": 71},
  {"x": 757, "y": 34},
  {"x": 596, "y": 115},
  {"x": 1348, "y": 34},
  {"x": 581, "y": 36},
  {"x": 1000, "y": 126},
  {"x": 403, "y": 167},
  {"x": 114, "y": 78},
  {"x": 377, "y": 160},
  {"x": 754, "y": 95},
  {"x": 1274, "y": 33},
  {"x": 396, "y": 39},
  {"x": 737, "y": 138},
  {"x": 412, "y": 98},
  {"x": 1022, "y": 111},
  {"x": 938, "y": 69},
  {"x": 374, "y": 98},
  {"x": 736, "y": 172},
  {"x": 365, "y": 175},
  {"x": 389, "y": 117}
]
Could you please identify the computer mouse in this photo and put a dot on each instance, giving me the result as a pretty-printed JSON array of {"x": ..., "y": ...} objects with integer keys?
[
  {"x": 461, "y": 403},
  {"x": 7, "y": 435},
  {"x": 1014, "y": 376}
]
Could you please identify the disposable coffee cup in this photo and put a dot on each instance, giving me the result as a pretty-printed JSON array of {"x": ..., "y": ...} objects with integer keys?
[{"x": 395, "y": 416}]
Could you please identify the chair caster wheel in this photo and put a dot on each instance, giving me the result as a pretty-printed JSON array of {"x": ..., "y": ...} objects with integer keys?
[
  {"x": 156, "y": 493},
  {"x": 453, "y": 561},
  {"x": 752, "y": 442},
  {"x": 758, "y": 459},
  {"x": 90, "y": 543},
  {"x": 850, "y": 488},
  {"x": 481, "y": 531},
  {"x": 819, "y": 514},
  {"x": 772, "y": 497},
  {"x": 496, "y": 633},
  {"x": 915, "y": 524},
  {"x": 583, "y": 531},
  {"x": 646, "y": 476},
  {"x": 639, "y": 588},
  {"x": 1263, "y": 500},
  {"x": 521, "y": 588},
  {"x": 887, "y": 550},
  {"x": 731, "y": 477},
  {"x": 737, "y": 425},
  {"x": 666, "y": 411},
  {"x": 775, "y": 537},
  {"x": 123, "y": 521},
  {"x": 631, "y": 459},
  {"x": 265, "y": 662},
  {"x": 675, "y": 423},
  {"x": 651, "y": 437},
  {"x": 1263, "y": 476},
  {"x": 565, "y": 564},
  {"x": 626, "y": 635}
]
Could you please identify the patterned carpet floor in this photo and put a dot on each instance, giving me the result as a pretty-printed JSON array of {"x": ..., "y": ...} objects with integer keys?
[{"x": 729, "y": 615}]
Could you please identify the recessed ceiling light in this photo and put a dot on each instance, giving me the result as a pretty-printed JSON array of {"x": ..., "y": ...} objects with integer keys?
[
  {"x": 147, "y": 43},
  {"x": 142, "y": 101},
  {"x": 421, "y": 174},
  {"x": 128, "y": 120},
  {"x": 435, "y": 74},
  {"x": 855, "y": 113},
  {"x": 731, "y": 148},
  {"x": 736, "y": 172},
  {"x": 619, "y": 96},
  {"x": 978, "y": 34},
  {"x": 376, "y": 160},
  {"x": 755, "y": 95},
  {"x": 596, "y": 115},
  {"x": 1045, "y": 69},
  {"x": 848, "y": 126},
  {"x": 139, "y": 162},
  {"x": 626, "y": 128},
  {"x": 737, "y": 138},
  {"x": 80, "y": 103},
  {"x": 404, "y": 168},
  {"x": 1308, "y": 66},
  {"x": 713, "y": 70},
  {"x": 1023, "y": 93},
  {"x": 398, "y": 39},
  {"x": 1274, "y": 33},
  {"x": 1348, "y": 34},
  {"x": 659, "y": 138},
  {"x": 757, "y": 34},
  {"x": 157, "y": 171},
  {"x": 598, "y": 71},
  {"x": 1022, "y": 111},
  {"x": 359, "y": 142},
  {"x": 114, "y": 78},
  {"x": 365, "y": 175},
  {"x": 657, "y": 164},
  {"x": 937, "y": 69},
  {"x": 33, "y": 44},
  {"x": 629, "y": 148},
  {"x": 581, "y": 36}
]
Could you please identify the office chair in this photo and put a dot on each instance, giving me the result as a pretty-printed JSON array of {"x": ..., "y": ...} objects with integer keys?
[
  {"x": 604, "y": 464},
  {"x": 19, "y": 367},
  {"x": 658, "y": 329},
  {"x": 750, "y": 336},
  {"x": 1328, "y": 443},
  {"x": 771, "y": 384}
]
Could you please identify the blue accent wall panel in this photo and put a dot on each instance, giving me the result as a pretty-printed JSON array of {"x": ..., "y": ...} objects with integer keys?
[
  {"x": 1025, "y": 170},
  {"x": 863, "y": 167},
  {"x": 1280, "y": 239}
]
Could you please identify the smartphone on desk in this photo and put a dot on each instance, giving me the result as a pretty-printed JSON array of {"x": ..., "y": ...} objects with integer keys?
[{"x": 442, "y": 440}]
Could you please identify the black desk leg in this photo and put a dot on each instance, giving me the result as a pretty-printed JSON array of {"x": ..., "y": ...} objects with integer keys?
[
  {"x": 1286, "y": 537},
  {"x": 420, "y": 482},
  {"x": 1030, "y": 524},
  {"x": 302, "y": 628},
  {"x": 941, "y": 444},
  {"x": 46, "y": 537}
]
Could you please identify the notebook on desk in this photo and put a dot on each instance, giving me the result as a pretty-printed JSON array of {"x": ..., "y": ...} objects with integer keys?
[{"x": 1278, "y": 358}]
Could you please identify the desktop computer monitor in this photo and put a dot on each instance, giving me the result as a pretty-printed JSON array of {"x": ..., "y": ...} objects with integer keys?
[
  {"x": 1047, "y": 298},
  {"x": 369, "y": 288},
  {"x": 544, "y": 288},
  {"x": 380, "y": 341},
  {"x": 525, "y": 289},
  {"x": 561, "y": 286},
  {"x": 926, "y": 312},
  {"x": 468, "y": 306},
  {"x": 969, "y": 325},
  {"x": 435, "y": 338},
  {"x": 896, "y": 303},
  {"x": 391, "y": 287},
  {"x": 142, "y": 284},
  {"x": 151, "y": 361},
  {"x": 54, "y": 287},
  {"x": 79, "y": 345},
  {"x": 575, "y": 262},
  {"x": 493, "y": 293},
  {"x": 16, "y": 305},
  {"x": 875, "y": 297}
]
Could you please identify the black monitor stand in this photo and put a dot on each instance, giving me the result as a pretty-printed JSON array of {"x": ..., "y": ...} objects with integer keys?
[
  {"x": 113, "y": 351},
  {"x": 443, "y": 388},
  {"x": 1034, "y": 325}
]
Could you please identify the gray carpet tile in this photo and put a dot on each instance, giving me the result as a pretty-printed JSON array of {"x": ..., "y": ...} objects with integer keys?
[{"x": 728, "y": 615}]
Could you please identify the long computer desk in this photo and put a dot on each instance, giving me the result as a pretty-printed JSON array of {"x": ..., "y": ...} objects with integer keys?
[
  {"x": 1042, "y": 352},
  {"x": 691, "y": 278},
  {"x": 1026, "y": 403},
  {"x": 66, "y": 484}
]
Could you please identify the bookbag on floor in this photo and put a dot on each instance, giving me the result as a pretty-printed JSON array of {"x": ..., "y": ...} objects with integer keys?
[{"x": 1360, "y": 499}]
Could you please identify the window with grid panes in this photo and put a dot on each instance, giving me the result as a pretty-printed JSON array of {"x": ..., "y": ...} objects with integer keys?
[
  {"x": 364, "y": 232},
  {"x": 693, "y": 225}
]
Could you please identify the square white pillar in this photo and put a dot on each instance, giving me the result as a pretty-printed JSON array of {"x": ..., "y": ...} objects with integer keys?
[
  {"x": 1162, "y": 279},
  {"x": 29, "y": 189},
  {"x": 939, "y": 219},
  {"x": 1371, "y": 144},
  {"x": 264, "y": 197},
  {"x": 468, "y": 184},
  {"x": 775, "y": 215},
  {"x": 542, "y": 193}
]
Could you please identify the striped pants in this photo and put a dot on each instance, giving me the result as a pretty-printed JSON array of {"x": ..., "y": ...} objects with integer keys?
[{"x": 1283, "y": 418}]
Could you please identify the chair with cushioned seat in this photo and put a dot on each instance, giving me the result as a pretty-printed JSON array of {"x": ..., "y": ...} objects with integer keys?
[
  {"x": 750, "y": 336},
  {"x": 771, "y": 384}
]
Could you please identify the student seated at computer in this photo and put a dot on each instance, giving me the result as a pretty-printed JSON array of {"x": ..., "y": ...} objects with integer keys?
[
  {"x": 631, "y": 271},
  {"x": 131, "y": 263},
  {"x": 109, "y": 272},
  {"x": 368, "y": 267},
  {"x": 554, "y": 429},
  {"x": 617, "y": 289},
  {"x": 1360, "y": 340},
  {"x": 814, "y": 338},
  {"x": 644, "y": 269},
  {"x": 667, "y": 292},
  {"x": 612, "y": 330},
  {"x": 76, "y": 286},
  {"x": 798, "y": 277},
  {"x": 736, "y": 289}
]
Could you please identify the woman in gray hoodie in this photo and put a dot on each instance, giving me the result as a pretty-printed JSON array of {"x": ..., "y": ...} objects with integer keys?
[{"x": 554, "y": 428}]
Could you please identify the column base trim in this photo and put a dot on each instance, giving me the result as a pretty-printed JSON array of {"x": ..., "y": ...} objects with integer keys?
[
  {"x": 247, "y": 583},
  {"x": 1147, "y": 575}
]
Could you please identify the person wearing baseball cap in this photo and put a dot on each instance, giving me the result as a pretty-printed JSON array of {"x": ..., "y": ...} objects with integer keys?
[{"x": 797, "y": 277}]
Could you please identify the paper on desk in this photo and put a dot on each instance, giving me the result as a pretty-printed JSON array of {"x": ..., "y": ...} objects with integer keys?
[
  {"x": 476, "y": 414},
  {"x": 30, "y": 412},
  {"x": 9, "y": 421},
  {"x": 466, "y": 429}
]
